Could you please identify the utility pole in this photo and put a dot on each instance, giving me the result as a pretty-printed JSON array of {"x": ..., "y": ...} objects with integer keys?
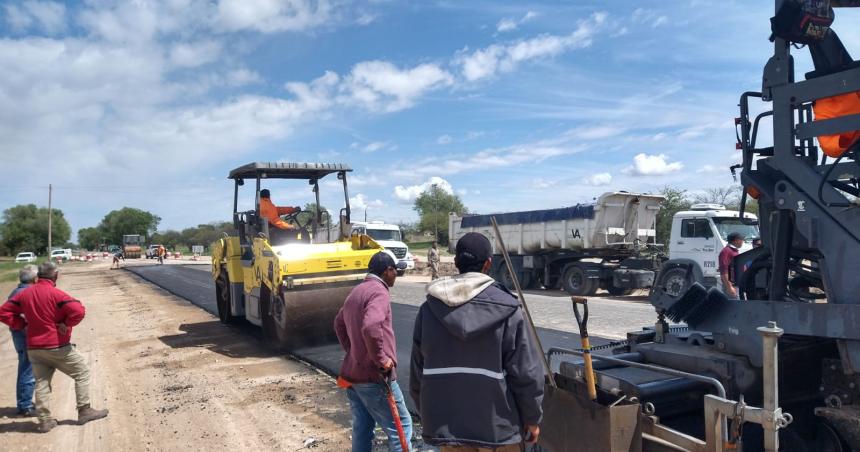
[
  {"x": 435, "y": 214},
  {"x": 50, "y": 189}
]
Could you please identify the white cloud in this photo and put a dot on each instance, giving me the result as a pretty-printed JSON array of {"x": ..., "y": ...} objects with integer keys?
[
  {"x": 508, "y": 24},
  {"x": 189, "y": 55},
  {"x": 652, "y": 165},
  {"x": 408, "y": 194},
  {"x": 365, "y": 19},
  {"x": 361, "y": 202},
  {"x": 599, "y": 179},
  {"x": 496, "y": 58},
  {"x": 270, "y": 16},
  {"x": 373, "y": 146},
  {"x": 242, "y": 77},
  {"x": 649, "y": 17},
  {"x": 708, "y": 168},
  {"x": 444, "y": 139},
  {"x": 382, "y": 86},
  {"x": 542, "y": 184},
  {"x": 49, "y": 16}
]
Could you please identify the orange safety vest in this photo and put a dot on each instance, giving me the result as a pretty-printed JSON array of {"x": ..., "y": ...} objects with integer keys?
[
  {"x": 834, "y": 107},
  {"x": 272, "y": 213}
]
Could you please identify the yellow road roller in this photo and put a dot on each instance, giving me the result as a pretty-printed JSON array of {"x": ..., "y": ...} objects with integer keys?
[{"x": 290, "y": 283}]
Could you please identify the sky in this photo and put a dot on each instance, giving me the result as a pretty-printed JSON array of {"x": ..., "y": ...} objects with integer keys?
[{"x": 511, "y": 105}]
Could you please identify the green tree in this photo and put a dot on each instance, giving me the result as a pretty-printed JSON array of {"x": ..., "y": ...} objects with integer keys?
[
  {"x": 25, "y": 228},
  {"x": 204, "y": 234},
  {"x": 128, "y": 220},
  {"x": 90, "y": 238},
  {"x": 433, "y": 207},
  {"x": 675, "y": 201},
  {"x": 168, "y": 238}
]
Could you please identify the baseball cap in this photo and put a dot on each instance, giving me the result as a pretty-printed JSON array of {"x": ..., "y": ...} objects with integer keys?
[
  {"x": 381, "y": 261},
  {"x": 473, "y": 248},
  {"x": 264, "y": 193},
  {"x": 735, "y": 236}
]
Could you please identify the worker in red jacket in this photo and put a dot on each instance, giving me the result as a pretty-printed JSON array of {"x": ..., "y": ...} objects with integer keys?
[{"x": 49, "y": 315}]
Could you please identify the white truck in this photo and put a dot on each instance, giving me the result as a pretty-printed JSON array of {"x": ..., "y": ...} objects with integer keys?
[
  {"x": 609, "y": 244},
  {"x": 63, "y": 254},
  {"x": 389, "y": 237},
  {"x": 698, "y": 236}
]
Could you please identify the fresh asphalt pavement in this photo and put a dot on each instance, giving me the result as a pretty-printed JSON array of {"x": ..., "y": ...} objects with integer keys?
[{"x": 609, "y": 320}]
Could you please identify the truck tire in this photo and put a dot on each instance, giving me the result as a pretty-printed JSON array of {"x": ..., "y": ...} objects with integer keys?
[
  {"x": 506, "y": 280},
  {"x": 272, "y": 339},
  {"x": 575, "y": 281},
  {"x": 675, "y": 281},
  {"x": 222, "y": 298}
]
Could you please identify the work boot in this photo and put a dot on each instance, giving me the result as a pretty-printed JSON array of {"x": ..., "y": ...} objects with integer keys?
[
  {"x": 86, "y": 413},
  {"x": 47, "y": 426}
]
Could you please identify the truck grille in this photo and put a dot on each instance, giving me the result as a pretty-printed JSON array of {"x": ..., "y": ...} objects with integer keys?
[{"x": 400, "y": 253}]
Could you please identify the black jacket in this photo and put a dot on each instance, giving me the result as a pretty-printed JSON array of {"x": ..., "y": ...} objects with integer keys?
[{"x": 476, "y": 378}]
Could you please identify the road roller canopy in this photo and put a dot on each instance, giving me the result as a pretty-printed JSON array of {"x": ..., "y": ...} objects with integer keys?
[{"x": 272, "y": 170}]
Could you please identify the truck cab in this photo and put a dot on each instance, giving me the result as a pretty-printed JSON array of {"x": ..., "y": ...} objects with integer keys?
[
  {"x": 390, "y": 237},
  {"x": 697, "y": 238}
]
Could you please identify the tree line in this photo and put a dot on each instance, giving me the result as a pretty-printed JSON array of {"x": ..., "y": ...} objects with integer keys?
[{"x": 25, "y": 227}]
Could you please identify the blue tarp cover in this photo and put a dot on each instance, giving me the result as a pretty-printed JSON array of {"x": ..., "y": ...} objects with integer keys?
[{"x": 532, "y": 216}]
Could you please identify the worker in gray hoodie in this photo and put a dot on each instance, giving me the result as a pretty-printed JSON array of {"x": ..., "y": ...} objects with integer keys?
[{"x": 476, "y": 378}]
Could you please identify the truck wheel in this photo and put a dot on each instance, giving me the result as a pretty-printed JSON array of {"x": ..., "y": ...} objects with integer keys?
[
  {"x": 675, "y": 282},
  {"x": 575, "y": 281},
  {"x": 222, "y": 297},
  {"x": 506, "y": 280},
  {"x": 618, "y": 291}
]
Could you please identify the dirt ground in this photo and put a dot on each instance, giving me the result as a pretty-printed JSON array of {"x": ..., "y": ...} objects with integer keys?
[{"x": 173, "y": 378}]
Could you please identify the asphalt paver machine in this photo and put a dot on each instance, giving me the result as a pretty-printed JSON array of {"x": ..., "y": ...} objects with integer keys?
[
  {"x": 293, "y": 286},
  {"x": 778, "y": 368}
]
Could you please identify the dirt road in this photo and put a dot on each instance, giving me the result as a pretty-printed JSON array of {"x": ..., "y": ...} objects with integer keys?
[{"x": 174, "y": 378}]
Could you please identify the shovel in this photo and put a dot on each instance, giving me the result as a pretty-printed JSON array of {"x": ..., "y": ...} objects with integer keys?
[
  {"x": 582, "y": 321},
  {"x": 395, "y": 413}
]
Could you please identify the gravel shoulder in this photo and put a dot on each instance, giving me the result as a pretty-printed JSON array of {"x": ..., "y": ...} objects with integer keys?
[{"x": 173, "y": 377}]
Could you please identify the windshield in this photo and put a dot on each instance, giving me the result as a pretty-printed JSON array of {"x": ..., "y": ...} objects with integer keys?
[
  {"x": 726, "y": 226},
  {"x": 384, "y": 234},
  {"x": 24, "y": 254},
  {"x": 57, "y": 252}
]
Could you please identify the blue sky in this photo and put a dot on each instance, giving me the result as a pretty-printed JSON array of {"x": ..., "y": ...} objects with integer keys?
[{"x": 518, "y": 105}]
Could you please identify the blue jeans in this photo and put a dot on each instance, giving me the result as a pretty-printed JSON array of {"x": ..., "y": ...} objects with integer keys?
[
  {"x": 26, "y": 383},
  {"x": 369, "y": 405}
]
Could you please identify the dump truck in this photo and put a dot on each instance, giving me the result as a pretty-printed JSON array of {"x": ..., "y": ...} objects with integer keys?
[
  {"x": 608, "y": 244},
  {"x": 291, "y": 285},
  {"x": 778, "y": 369},
  {"x": 132, "y": 246}
]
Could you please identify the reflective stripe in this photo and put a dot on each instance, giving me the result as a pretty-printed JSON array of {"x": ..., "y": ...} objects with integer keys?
[{"x": 465, "y": 370}]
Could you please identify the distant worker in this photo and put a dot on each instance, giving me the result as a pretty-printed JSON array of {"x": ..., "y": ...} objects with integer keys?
[
  {"x": 25, "y": 383},
  {"x": 726, "y": 264},
  {"x": 161, "y": 253},
  {"x": 365, "y": 332},
  {"x": 49, "y": 315},
  {"x": 433, "y": 261},
  {"x": 116, "y": 257},
  {"x": 475, "y": 376}
]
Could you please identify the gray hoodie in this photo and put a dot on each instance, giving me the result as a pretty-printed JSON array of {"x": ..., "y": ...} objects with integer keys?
[{"x": 475, "y": 377}]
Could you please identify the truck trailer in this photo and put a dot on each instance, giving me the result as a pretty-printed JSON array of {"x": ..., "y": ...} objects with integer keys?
[{"x": 608, "y": 244}]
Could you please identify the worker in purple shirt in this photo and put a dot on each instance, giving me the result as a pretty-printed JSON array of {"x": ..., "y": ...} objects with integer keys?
[
  {"x": 364, "y": 329},
  {"x": 726, "y": 268}
]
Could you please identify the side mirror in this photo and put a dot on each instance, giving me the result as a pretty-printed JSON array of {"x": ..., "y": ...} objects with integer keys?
[{"x": 240, "y": 182}]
